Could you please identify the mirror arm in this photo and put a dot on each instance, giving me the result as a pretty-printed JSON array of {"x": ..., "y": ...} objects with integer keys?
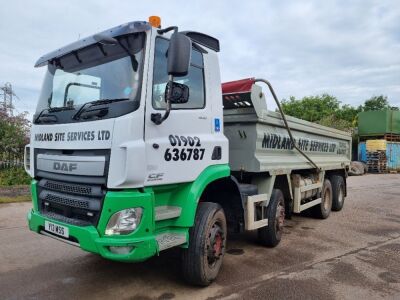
[
  {"x": 157, "y": 118},
  {"x": 162, "y": 31}
]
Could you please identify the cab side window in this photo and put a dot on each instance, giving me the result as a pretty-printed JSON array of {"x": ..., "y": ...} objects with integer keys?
[{"x": 194, "y": 79}]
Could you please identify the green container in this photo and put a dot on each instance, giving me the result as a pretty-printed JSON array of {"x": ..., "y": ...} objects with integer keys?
[{"x": 379, "y": 122}]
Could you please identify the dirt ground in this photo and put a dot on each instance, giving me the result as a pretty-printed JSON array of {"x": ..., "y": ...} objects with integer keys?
[{"x": 354, "y": 254}]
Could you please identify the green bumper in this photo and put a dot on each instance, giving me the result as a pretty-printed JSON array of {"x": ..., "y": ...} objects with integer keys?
[{"x": 92, "y": 238}]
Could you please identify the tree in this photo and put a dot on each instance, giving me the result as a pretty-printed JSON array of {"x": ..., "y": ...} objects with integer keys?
[
  {"x": 311, "y": 108},
  {"x": 377, "y": 103},
  {"x": 13, "y": 132},
  {"x": 336, "y": 122},
  {"x": 348, "y": 113},
  {"x": 326, "y": 110},
  {"x": 13, "y": 137}
]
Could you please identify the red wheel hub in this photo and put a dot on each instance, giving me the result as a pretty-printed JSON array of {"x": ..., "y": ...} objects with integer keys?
[
  {"x": 218, "y": 244},
  {"x": 215, "y": 244}
]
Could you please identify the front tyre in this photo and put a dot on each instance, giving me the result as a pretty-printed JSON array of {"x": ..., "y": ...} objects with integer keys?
[
  {"x": 271, "y": 235},
  {"x": 202, "y": 260}
]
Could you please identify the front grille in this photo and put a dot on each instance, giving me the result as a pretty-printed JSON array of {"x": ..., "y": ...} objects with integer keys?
[
  {"x": 66, "y": 201},
  {"x": 68, "y": 188},
  {"x": 71, "y": 198},
  {"x": 76, "y": 204},
  {"x": 63, "y": 219}
]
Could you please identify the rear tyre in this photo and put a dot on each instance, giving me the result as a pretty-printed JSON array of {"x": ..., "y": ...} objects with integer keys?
[
  {"x": 323, "y": 210},
  {"x": 338, "y": 192},
  {"x": 271, "y": 235},
  {"x": 202, "y": 260}
]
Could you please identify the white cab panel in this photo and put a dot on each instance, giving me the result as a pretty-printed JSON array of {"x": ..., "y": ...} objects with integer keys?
[{"x": 181, "y": 147}]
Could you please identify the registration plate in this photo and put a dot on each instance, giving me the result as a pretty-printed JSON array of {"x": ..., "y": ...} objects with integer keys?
[{"x": 56, "y": 229}]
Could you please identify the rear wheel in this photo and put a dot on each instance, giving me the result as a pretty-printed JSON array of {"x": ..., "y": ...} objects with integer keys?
[
  {"x": 271, "y": 235},
  {"x": 323, "y": 210},
  {"x": 337, "y": 192},
  {"x": 202, "y": 260}
]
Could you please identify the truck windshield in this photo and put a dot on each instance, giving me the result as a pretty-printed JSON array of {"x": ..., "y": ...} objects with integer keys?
[{"x": 95, "y": 73}]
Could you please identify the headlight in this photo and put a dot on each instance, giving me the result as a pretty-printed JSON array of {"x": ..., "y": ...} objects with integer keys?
[{"x": 124, "y": 221}]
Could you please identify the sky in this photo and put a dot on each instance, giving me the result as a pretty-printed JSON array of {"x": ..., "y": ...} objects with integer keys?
[{"x": 349, "y": 49}]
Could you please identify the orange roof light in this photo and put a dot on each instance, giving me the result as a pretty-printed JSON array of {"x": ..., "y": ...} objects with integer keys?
[{"x": 155, "y": 21}]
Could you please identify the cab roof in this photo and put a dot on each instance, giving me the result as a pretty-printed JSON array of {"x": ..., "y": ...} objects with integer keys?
[
  {"x": 124, "y": 29},
  {"x": 121, "y": 30}
]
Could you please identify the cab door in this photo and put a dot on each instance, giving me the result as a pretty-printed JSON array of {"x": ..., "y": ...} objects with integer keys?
[{"x": 180, "y": 148}]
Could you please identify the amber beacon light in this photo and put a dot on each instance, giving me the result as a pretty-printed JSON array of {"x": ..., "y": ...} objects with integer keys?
[{"x": 155, "y": 21}]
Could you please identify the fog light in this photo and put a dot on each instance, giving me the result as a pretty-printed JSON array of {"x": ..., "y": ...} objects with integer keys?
[
  {"x": 120, "y": 250},
  {"x": 124, "y": 222}
]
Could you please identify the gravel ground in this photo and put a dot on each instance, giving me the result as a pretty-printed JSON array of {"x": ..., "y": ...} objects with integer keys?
[
  {"x": 353, "y": 254},
  {"x": 12, "y": 191}
]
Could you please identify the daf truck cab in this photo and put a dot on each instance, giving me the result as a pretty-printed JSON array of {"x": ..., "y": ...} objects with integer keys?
[{"x": 128, "y": 155}]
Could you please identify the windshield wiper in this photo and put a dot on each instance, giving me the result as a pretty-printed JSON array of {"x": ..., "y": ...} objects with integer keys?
[
  {"x": 46, "y": 118},
  {"x": 87, "y": 105},
  {"x": 49, "y": 118},
  {"x": 61, "y": 108}
]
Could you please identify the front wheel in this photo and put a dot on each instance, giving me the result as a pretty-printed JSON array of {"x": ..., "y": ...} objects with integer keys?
[
  {"x": 202, "y": 260},
  {"x": 271, "y": 235}
]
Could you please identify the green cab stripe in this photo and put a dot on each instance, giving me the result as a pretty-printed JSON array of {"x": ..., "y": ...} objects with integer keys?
[{"x": 187, "y": 195}]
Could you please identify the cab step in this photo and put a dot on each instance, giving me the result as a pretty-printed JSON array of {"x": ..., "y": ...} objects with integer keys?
[
  {"x": 170, "y": 239},
  {"x": 167, "y": 212}
]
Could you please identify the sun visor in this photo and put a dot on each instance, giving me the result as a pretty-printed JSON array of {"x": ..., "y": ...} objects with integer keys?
[{"x": 121, "y": 30}]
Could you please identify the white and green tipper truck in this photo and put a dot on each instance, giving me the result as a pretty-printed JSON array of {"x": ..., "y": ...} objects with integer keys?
[{"x": 135, "y": 148}]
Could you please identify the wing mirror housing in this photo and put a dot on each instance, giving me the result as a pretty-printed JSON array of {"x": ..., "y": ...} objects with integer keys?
[
  {"x": 179, "y": 53},
  {"x": 178, "y": 62}
]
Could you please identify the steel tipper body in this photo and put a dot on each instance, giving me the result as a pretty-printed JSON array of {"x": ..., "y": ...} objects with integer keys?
[
  {"x": 304, "y": 163},
  {"x": 290, "y": 164},
  {"x": 259, "y": 141},
  {"x": 129, "y": 154}
]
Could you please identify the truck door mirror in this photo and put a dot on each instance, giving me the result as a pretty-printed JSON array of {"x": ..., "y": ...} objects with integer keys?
[
  {"x": 179, "y": 52},
  {"x": 179, "y": 93}
]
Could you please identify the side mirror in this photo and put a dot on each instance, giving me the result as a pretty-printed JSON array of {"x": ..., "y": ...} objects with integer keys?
[
  {"x": 179, "y": 52},
  {"x": 176, "y": 93}
]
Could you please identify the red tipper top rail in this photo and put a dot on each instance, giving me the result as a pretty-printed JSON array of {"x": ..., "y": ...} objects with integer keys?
[{"x": 238, "y": 86}]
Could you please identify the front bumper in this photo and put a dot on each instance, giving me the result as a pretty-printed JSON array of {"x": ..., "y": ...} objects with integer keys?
[{"x": 92, "y": 239}]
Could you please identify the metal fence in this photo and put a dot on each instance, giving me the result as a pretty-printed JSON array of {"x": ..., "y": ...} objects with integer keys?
[{"x": 12, "y": 159}]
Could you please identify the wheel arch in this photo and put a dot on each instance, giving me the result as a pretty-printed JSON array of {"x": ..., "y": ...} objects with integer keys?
[
  {"x": 225, "y": 191},
  {"x": 202, "y": 189},
  {"x": 283, "y": 182}
]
